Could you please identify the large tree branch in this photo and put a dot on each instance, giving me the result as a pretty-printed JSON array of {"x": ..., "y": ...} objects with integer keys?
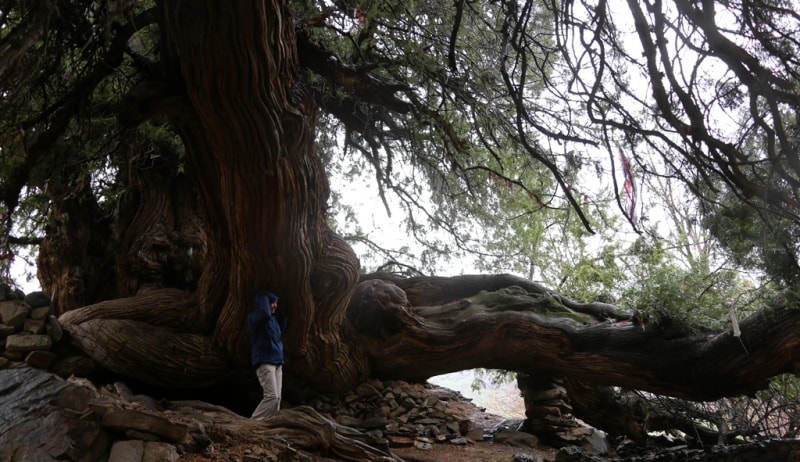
[
  {"x": 435, "y": 290},
  {"x": 516, "y": 329},
  {"x": 360, "y": 82}
]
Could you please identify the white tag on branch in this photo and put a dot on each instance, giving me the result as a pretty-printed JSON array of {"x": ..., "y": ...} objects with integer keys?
[{"x": 736, "y": 331}]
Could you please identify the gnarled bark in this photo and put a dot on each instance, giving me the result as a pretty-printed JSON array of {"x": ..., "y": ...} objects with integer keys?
[
  {"x": 147, "y": 337},
  {"x": 248, "y": 130}
]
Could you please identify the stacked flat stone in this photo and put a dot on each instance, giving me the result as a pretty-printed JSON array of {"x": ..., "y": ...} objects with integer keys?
[
  {"x": 398, "y": 414},
  {"x": 28, "y": 329}
]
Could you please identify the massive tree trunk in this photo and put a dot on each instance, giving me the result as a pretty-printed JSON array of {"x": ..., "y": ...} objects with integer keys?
[
  {"x": 248, "y": 129},
  {"x": 248, "y": 214},
  {"x": 247, "y": 126}
]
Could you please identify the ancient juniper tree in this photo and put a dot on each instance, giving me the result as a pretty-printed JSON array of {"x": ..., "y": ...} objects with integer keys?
[{"x": 163, "y": 157}]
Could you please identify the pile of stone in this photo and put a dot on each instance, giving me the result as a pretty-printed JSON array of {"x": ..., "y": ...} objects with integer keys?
[
  {"x": 28, "y": 329},
  {"x": 399, "y": 414}
]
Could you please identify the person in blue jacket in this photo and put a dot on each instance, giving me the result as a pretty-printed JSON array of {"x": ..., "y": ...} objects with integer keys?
[{"x": 266, "y": 355}]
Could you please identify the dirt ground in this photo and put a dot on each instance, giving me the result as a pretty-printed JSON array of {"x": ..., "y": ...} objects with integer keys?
[
  {"x": 487, "y": 452},
  {"x": 484, "y": 451},
  {"x": 479, "y": 451}
]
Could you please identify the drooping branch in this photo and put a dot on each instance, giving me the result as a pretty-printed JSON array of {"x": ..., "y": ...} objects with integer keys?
[
  {"x": 361, "y": 83},
  {"x": 629, "y": 414}
]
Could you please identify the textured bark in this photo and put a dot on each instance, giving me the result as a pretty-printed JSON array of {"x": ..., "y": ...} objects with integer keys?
[
  {"x": 509, "y": 328},
  {"x": 309, "y": 429},
  {"x": 147, "y": 337},
  {"x": 73, "y": 264},
  {"x": 151, "y": 239},
  {"x": 160, "y": 237},
  {"x": 247, "y": 125}
]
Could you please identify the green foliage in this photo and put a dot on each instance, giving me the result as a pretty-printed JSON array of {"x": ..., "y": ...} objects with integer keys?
[
  {"x": 494, "y": 377},
  {"x": 754, "y": 244},
  {"x": 448, "y": 168}
]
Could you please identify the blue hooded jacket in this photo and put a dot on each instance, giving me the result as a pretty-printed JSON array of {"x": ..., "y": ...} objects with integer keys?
[{"x": 265, "y": 332}]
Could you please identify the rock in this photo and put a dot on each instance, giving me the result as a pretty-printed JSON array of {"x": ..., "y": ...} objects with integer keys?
[
  {"x": 54, "y": 329},
  {"x": 423, "y": 445},
  {"x": 13, "y": 294},
  {"x": 132, "y": 419},
  {"x": 6, "y": 330},
  {"x": 399, "y": 441},
  {"x": 13, "y": 313},
  {"x": 367, "y": 390},
  {"x": 375, "y": 439},
  {"x": 198, "y": 440},
  {"x": 79, "y": 366},
  {"x": 33, "y": 326},
  {"x": 40, "y": 313},
  {"x": 595, "y": 442},
  {"x": 142, "y": 436},
  {"x": 127, "y": 451},
  {"x": 465, "y": 426},
  {"x": 33, "y": 428},
  {"x": 429, "y": 421},
  {"x": 453, "y": 427},
  {"x": 516, "y": 439},
  {"x": 159, "y": 452},
  {"x": 21, "y": 343},
  {"x": 37, "y": 299},
  {"x": 374, "y": 422},
  {"x": 397, "y": 410},
  {"x": 77, "y": 398},
  {"x": 525, "y": 458},
  {"x": 14, "y": 355},
  {"x": 40, "y": 359},
  {"x": 576, "y": 454}
]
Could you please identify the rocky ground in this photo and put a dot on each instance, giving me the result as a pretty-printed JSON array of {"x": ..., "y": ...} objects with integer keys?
[
  {"x": 486, "y": 437},
  {"x": 44, "y": 417}
]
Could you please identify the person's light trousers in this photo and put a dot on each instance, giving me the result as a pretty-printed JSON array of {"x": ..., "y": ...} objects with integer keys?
[{"x": 271, "y": 378}]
